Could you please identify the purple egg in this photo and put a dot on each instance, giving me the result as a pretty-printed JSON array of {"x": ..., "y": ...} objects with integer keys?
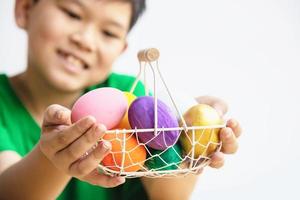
[{"x": 141, "y": 116}]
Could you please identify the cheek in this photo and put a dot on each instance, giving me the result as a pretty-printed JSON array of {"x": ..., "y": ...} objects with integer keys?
[
  {"x": 108, "y": 53},
  {"x": 47, "y": 31},
  {"x": 103, "y": 65},
  {"x": 99, "y": 74},
  {"x": 111, "y": 52},
  {"x": 45, "y": 35},
  {"x": 51, "y": 32}
]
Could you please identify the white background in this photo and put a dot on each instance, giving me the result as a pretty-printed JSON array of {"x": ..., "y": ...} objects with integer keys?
[{"x": 248, "y": 53}]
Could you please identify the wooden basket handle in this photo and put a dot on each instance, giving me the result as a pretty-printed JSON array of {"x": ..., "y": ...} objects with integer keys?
[{"x": 148, "y": 55}]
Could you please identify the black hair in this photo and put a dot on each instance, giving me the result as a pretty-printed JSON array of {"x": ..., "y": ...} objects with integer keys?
[{"x": 138, "y": 7}]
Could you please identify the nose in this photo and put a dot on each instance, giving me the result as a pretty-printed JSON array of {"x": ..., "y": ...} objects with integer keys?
[{"x": 85, "y": 38}]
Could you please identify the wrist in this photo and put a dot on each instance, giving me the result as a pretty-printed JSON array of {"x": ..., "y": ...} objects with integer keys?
[{"x": 48, "y": 163}]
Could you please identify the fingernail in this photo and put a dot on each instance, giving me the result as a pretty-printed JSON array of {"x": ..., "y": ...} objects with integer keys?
[
  {"x": 233, "y": 123},
  {"x": 86, "y": 123},
  {"x": 106, "y": 145},
  {"x": 59, "y": 114},
  {"x": 102, "y": 128},
  {"x": 98, "y": 132},
  {"x": 91, "y": 119}
]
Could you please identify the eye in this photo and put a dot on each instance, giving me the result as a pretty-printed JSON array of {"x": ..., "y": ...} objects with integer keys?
[
  {"x": 110, "y": 34},
  {"x": 71, "y": 14}
]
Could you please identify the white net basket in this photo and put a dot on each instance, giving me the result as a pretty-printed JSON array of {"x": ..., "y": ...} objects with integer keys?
[{"x": 133, "y": 158}]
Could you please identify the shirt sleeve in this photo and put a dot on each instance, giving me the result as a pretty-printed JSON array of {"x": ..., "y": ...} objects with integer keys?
[{"x": 5, "y": 142}]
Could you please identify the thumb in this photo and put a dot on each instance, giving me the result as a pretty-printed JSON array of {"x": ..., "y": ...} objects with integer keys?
[
  {"x": 56, "y": 115},
  {"x": 217, "y": 103}
]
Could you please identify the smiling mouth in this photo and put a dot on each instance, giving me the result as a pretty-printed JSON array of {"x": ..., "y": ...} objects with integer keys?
[{"x": 73, "y": 60}]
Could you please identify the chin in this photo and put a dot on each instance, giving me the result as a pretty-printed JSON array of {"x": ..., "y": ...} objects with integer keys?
[{"x": 67, "y": 83}]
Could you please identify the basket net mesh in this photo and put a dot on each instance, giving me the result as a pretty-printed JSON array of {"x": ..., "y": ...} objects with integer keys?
[
  {"x": 132, "y": 158},
  {"x": 170, "y": 162}
]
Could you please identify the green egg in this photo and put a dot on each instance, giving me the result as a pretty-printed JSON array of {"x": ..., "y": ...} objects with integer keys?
[{"x": 164, "y": 160}]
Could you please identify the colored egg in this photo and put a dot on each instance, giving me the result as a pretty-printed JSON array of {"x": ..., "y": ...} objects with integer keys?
[
  {"x": 126, "y": 154},
  {"x": 107, "y": 105},
  {"x": 168, "y": 159},
  {"x": 124, "y": 124},
  {"x": 206, "y": 140},
  {"x": 141, "y": 116}
]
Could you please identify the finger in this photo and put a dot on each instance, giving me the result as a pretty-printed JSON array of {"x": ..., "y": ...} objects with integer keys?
[
  {"x": 235, "y": 126},
  {"x": 56, "y": 115},
  {"x": 64, "y": 138},
  {"x": 106, "y": 181},
  {"x": 199, "y": 171},
  {"x": 229, "y": 141},
  {"x": 53, "y": 142},
  {"x": 83, "y": 144},
  {"x": 220, "y": 105},
  {"x": 217, "y": 160},
  {"x": 86, "y": 165}
]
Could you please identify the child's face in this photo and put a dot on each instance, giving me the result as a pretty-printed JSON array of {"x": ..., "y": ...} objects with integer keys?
[{"x": 73, "y": 43}]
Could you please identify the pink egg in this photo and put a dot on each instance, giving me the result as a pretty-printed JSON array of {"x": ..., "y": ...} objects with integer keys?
[{"x": 107, "y": 105}]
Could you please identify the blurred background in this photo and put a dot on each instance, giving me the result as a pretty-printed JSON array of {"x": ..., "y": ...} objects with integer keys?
[{"x": 246, "y": 52}]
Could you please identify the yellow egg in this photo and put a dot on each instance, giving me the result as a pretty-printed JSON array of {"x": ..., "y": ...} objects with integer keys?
[
  {"x": 205, "y": 139},
  {"x": 124, "y": 124}
]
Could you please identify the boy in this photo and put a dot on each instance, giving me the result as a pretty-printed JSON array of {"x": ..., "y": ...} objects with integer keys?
[{"x": 72, "y": 45}]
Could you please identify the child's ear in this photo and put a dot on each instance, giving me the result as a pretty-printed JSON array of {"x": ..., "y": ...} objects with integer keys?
[
  {"x": 22, "y": 8},
  {"x": 125, "y": 46}
]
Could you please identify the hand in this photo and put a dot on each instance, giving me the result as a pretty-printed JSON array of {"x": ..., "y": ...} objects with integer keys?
[
  {"x": 228, "y": 135},
  {"x": 73, "y": 148}
]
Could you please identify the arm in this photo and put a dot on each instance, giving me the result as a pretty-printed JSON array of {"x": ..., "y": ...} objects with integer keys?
[
  {"x": 182, "y": 187},
  {"x": 46, "y": 170},
  {"x": 33, "y": 176}
]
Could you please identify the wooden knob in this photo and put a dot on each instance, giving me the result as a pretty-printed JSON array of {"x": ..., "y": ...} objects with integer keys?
[{"x": 148, "y": 55}]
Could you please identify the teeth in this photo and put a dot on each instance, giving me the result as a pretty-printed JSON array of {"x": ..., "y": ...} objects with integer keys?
[{"x": 74, "y": 61}]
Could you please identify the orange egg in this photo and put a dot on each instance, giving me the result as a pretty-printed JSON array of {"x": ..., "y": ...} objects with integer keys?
[{"x": 130, "y": 157}]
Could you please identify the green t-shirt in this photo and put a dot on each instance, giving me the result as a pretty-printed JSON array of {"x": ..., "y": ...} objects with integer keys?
[{"x": 20, "y": 132}]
